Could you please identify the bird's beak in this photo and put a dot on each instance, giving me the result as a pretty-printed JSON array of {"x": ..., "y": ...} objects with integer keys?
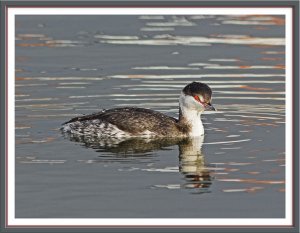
[{"x": 209, "y": 107}]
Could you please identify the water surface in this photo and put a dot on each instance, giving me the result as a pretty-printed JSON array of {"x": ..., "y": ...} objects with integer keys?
[{"x": 72, "y": 65}]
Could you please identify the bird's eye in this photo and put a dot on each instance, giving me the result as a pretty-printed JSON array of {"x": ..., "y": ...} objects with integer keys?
[{"x": 197, "y": 98}]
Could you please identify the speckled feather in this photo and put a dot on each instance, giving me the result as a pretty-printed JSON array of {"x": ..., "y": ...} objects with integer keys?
[{"x": 133, "y": 121}]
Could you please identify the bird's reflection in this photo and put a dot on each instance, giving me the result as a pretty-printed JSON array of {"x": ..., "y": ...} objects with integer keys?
[
  {"x": 197, "y": 176},
  {"x": 192, "y": 165}
]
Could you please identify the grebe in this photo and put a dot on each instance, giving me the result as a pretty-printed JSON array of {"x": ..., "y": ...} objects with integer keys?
[{"x": 126, "y": 122}]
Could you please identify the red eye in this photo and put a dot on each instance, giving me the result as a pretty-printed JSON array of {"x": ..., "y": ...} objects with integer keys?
[{"x": 197, "y": 98}]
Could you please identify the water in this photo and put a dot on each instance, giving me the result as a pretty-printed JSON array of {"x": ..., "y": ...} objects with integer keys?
[{"x": 72, "y": 65}]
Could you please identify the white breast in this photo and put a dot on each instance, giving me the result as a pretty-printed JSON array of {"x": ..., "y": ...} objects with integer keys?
[
  {"x": 191, "y": 111},
  {"x": 197, "y": 128}
]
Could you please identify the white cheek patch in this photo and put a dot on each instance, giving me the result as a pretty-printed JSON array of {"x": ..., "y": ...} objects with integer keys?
[{"x": 190, "y": 102}]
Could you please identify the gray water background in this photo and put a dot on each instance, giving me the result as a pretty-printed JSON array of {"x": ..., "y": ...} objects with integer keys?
[{"x": 72, "y": 65}]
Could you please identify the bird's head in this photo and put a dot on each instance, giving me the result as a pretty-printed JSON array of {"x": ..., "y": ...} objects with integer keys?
[{"x": 197, "y": 96}]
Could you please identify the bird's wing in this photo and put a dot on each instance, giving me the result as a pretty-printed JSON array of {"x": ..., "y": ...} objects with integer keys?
[{"x": 134, "y": 120}]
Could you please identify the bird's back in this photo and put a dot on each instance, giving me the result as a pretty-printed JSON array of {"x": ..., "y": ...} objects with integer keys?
[{"x": 130, "y": 121}]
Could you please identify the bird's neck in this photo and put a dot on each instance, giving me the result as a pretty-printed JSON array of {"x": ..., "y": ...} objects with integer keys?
[{"x": 192, "y": 119}]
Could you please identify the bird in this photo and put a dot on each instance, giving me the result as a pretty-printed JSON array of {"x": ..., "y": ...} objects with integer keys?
[{"x": 127, "y": 122}]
